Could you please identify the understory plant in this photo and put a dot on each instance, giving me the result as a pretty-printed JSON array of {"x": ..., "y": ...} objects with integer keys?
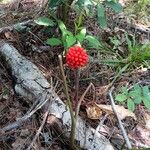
[
  {"x": 84, "y": 8},
  {"x": 76, "y": 58},
  {"x": 69, "y": 38},
  {"x": 132, "y": 97},
  {"x": 135, "y": 55}
]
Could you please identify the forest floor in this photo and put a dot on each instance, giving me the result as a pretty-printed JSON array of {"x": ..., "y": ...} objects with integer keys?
[{"x": 102, "y": 74}]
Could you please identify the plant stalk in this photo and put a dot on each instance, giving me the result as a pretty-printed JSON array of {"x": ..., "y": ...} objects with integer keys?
[
  {"x": 73, "y": 121},
  {"x": 77, "y": 76}
]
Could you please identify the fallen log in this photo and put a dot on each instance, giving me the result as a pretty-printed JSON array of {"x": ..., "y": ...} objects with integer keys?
[{"x": 31, "y": 84}]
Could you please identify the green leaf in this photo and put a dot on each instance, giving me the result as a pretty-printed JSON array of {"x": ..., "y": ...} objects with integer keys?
[
  {"x": 121, "y": 97},
  {"x": 101, "y": 16},
  {"x": 81, "y": 35},
  {"x": 146, "y": 92},
  {"x": 117, "y": 7},
  {"x": 54, "y": 41},
  {"x": 133, "y": 94},
  {"x": 93, "y": 42},
  {"x": 138, "y": 89},
  {"x": 70, "y": 40},
  {"x": 138, "y": 99},
  {"x": 44, "y": 21},
  {"x": 146, "y": 97},
  {"x": 61, "y": 25},
  {"x": 130, "y": 104},
  {"x": 146, "y": 102}
]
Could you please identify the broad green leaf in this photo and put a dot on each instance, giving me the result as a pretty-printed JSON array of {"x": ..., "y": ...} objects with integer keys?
[
  {"x": 138, "y": 99},
  {"x": 138, "y": 89},
  {"x": 61, "y": 25},
  {"x": 68, "y": 32},
  {"x": 146, "y": 92},
  {"x": 70, "y": 40},
  {"x": 121, "y": 97},
  {"x": 130, "y": 104},
  {"x": 133, "y": 94},
  {"x": 117, "y": 7},
  {"x": 93, "y": 42},
  {"x": 146, "y": 102},
  {"x": 44, "y": 21},
  {"x": 54, "y": 41},
  {"x": 101, "y": 16},
  {"x": 81, "y": 35}
]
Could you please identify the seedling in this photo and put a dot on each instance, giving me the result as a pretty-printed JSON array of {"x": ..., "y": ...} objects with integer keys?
[{"x": 135, "y": 96}]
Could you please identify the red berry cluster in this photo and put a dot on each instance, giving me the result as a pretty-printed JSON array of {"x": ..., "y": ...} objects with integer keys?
[{"x": 76, "y": 57}]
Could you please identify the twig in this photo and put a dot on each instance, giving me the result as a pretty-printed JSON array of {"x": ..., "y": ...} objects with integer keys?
[
  {"x": 119, "y": 121},
  {"x": 37, "y": 37},
  {"x": 81, "y": 99},
  {"x": 41, "y": 127}
]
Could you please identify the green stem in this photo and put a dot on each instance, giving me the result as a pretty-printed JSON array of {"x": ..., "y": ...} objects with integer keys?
[{"x": 73, "y": 121}]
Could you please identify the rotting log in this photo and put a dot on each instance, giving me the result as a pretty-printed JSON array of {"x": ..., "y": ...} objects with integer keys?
[{"x": 31, "y": 84}]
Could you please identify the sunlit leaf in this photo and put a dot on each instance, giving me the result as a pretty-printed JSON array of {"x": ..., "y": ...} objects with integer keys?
[
  {"x": 44, "y": 21},
  {"x": 81, "y": 35},
  {"x": 70, "y": 40},
  {"x": 121, "y": 97},
  {"x": 93, "y": 42}
]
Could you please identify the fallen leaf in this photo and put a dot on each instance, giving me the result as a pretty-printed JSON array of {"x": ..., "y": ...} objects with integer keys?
[
  {"x": 121, "y": 111},
  {"x": 93, "y": 111},
  {"x": 9, "y": 36},
  {"x": 147, "y": 120}
]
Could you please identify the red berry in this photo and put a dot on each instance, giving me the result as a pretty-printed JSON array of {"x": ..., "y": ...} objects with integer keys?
[{"x": 76, "y": 57}]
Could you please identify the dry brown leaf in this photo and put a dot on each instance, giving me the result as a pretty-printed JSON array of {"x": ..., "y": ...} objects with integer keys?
[
  {"x": 9, "y": 36},
  {"x": 147, "y": 120},
  {"x": 93, "y": 111},
  {"x": 121, "y": 111}
]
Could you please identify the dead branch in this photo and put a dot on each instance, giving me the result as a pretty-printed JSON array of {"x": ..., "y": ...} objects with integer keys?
[{"x": 119, "y": 121}]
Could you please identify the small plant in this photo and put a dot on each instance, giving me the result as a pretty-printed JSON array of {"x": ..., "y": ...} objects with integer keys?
[
  {"x": 137, "y": 95},
  {"x": 84, "y": 8},
  {"x": 76, "y": 58},
  {"x": 69, "y": 39}
]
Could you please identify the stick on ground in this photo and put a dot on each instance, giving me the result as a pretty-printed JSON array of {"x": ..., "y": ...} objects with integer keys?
[{"x": 119, "y": 120}]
